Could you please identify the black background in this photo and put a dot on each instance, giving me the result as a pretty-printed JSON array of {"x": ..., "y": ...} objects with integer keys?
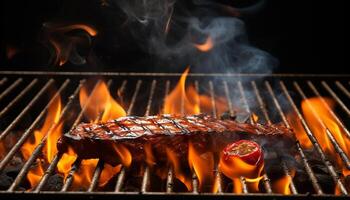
[{"x": 306, "y": 36}]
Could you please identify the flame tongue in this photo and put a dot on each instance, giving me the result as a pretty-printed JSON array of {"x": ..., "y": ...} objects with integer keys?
[
  {"x": 178, "y": 169},
  {"x": 206, "y": 46},
  {"x": 203, "y": 165},
  {"x": 100, "y": 101},
  {"x": 180, "y": 100},
  {"x": 48, "y": 127},
  {"x": 318, "y": 115}
]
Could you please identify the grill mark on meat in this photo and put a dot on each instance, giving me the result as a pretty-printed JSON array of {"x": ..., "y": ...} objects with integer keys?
[
  {"x": 155, "y": 122},
  {"x": 177, "y": 124},
  {"x": 96, "y": 140},
  {"x": 145, "y": 128}
]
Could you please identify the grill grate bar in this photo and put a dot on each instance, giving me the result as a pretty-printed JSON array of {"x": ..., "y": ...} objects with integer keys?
[
  {"x": 195, "y": 184},
  {"x": 292, "y": 187},
  {"x": 96, "y": 176},
  {"x": 336, "y": 98},
  {"x": 29, "y": 130},
  {"x": 218, "y": 175},
  {"x": 10, "y": 88},
  {"x": 326, "y": 105},
  {"x": 262, "y": 106},
  {"x": 342, "y": 88},
  {"x": 334, "y": 142},
  {"x": 35, "y": 154},
  {"x": 25, "y": 86},
  {"x": 170, "y": 180},
  {"x": 25, "y": 110},
  {"x": 57, "y": 157},
  {"x": 18, "y": 97},
  {"x": 122, "y": 173},
  {"x": 100, "y": 164},
  {"x": 170, "y": 176},
  {"x": 69, "y": 180},
  {"x": 120, "y": 180},
  {"x": 306, "y": 164},
  {"x": 77, "y": 164},
  {"x": 315, "y": 143},
  {"x": 146, "y": 176}
]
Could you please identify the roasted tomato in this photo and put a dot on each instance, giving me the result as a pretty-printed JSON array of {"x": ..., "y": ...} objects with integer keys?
[{"x": 242, "y": 158}]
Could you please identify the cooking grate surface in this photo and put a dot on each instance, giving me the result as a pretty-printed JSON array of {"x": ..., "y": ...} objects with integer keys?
[{"x": 25, "y": 101}]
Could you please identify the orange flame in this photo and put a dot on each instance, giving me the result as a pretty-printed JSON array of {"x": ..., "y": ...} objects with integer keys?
[
  {"x": 82, "y": 178},
  {"x": 206, "y": 46},
  {"x": 316, "y": 106},
  {"x": 63, "y": 44},
  {"x": 34, "y": 175},
  {"x": 236, "y": 168},
  {"x": 150, "y": 160},
  {"x": 123, "y": 154},
  {"x": 180, "y": 101},
  {"x": 299, "y": 131},
  {"x": 202, "y": 164},
  {"x": 107, "y": 173},
  {"x": 320, "y": 120},
  {"x": 66, "y": 161},
  {"x": 178, "y": 171},
  {"x": 52, "y": 118},
  {"x": 255, "y": 118},
  {"x": 206, "y": 104},
  {"x": 100, "y": 100},
  {"x": 282, "y": 185},
  {"x": 186, "y": 100}
]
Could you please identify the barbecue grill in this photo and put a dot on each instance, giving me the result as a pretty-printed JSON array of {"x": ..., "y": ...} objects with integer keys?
[{"x": 25, "y": 102}]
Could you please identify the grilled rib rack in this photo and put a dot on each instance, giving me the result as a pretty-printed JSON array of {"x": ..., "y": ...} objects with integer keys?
[{"x": 24, "y": 103}]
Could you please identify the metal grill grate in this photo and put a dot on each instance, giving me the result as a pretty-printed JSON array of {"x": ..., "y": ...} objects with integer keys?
[{"x": 24, "y": 103}]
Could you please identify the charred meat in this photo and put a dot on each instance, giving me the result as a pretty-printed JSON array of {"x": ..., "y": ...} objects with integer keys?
[{"x": 108, "y": 140}]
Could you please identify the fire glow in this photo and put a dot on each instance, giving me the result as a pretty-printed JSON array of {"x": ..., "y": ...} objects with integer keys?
[
  {"x": 52, "y": 118},
  {"x": 98, "y": 105},
  {"x": 65, "y": 45},
  {"x": 206, "y": 46},
  {"x": 317, "y": 112},
  {"x": 98, "y": 102}
]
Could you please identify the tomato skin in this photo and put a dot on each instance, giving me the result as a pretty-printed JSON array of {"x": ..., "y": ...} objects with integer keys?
[{"x": 254, "y": 157}]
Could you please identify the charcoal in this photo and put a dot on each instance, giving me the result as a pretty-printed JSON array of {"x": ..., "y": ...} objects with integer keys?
[{"x": 54, "y": 183}]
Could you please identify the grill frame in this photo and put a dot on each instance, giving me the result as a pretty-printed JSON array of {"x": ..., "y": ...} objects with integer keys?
[{"x": 154, "y": 195}]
